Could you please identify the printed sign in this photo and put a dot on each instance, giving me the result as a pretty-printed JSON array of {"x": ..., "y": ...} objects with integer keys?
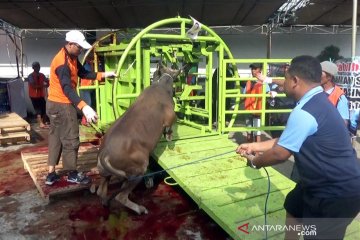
[{"x": 348, "y": 79}]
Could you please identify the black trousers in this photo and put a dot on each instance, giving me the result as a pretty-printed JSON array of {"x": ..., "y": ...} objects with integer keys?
[{"x": 330, "y": 216}]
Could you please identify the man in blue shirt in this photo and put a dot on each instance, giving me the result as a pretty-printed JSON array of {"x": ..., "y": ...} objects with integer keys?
[{"x": 328, "y": 193}]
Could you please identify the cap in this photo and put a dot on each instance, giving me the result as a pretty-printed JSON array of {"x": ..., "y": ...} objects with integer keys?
[
  {"x": 255, "y": 65},
  {"x": 329, "y": 67},
  {"x": 35, "y": 64},
  {"x": 76, "y": 36}
]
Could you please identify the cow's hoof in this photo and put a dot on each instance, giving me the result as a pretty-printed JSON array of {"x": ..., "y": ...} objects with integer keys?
[
  {"x": 169, "y": 137},
  {"x": 93, "y": 188},
  {"x": 142, "y": 210},
  {"x": 149, "y": 182}
]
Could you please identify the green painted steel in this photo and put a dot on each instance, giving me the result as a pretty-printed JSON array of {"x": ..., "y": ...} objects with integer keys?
[
  {"x": 231, "y": 193},
  {"x": 134, "y": 56},
  {"x": 239, "y": 97},
  {"x": 224, "y": 187}
]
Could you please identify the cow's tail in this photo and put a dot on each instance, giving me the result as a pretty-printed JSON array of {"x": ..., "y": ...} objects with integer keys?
[
  {"x": 104, "y": 163},
  {"x": 105, "y": 169}
]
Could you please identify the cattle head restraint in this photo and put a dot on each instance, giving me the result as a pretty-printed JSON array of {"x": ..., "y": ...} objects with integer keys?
[{"x": 163, "y": 71}]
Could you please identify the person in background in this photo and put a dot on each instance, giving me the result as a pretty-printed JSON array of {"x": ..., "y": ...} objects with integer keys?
[
  {"x": 63, "y": 104},
  {"x": 336, "y": 94},
  {"x": 254, "y": 103},
  {"x": 37, "y": 90},
  {"x": 354, "y": 123},
  {"x": 86, "y": 94},
  {"x": 327, "y": 195}
]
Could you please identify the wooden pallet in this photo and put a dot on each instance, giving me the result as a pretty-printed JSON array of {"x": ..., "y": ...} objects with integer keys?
[
  {"x": 35, "y": 162},
  {"x": 13, "y": 129}
]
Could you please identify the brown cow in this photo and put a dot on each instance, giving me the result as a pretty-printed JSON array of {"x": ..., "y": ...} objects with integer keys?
[{"x": 126, "y": 147}]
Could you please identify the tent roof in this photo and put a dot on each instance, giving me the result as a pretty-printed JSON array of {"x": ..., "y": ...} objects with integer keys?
[{"x": 116, "y": 14}]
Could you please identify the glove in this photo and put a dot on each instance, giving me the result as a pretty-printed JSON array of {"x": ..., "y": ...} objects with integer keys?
[
  {"x": 273, "y": 94},
  {"x": 268, "y": 80},
  {"x": 109, "y": 74},
  {"x": 263, "y": 79},
  {"x": 89, "y": 114}
]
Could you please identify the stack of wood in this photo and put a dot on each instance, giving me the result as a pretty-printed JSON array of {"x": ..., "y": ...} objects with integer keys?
[{"x": 13, "y": 129}]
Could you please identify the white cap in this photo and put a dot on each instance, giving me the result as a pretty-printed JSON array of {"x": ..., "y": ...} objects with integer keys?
[
  {"x": 76, "y": 36},
  {"x": 329, "y": 67}
]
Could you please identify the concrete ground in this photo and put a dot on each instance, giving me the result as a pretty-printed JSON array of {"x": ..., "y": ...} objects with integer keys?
[{"x": 80, "y": 215}]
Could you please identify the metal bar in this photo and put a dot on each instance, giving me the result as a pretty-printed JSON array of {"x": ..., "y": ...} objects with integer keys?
[{"x": 354, "y": 26}]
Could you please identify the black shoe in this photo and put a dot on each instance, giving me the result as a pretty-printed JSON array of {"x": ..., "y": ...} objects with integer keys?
[
  {"x": 51, "y": 178},
  {"x": 78, "y": 177}
]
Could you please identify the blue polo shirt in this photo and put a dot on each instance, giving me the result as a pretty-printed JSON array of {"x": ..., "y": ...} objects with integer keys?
[{"x": 317, "y": 136}]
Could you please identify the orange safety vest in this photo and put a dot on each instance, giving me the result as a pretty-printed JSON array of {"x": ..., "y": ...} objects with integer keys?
[
  {"x": 253, "y": 103},
  {"x": 335, "y": 95},
  {"x": 56, "y": 93},
  {"x": 86, "y": 82},
  {"x": 38, "y": 80}
]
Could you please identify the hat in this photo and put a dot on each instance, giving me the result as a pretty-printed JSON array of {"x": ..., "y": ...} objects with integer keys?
[
  {"x": 76, "y": 36},
  {"x": 329, "y": 67},
  {"x": 255, "y": 65}
]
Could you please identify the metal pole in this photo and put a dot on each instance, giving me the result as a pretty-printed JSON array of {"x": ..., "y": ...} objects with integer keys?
[
  {"x": 269, "y": 38},
  {"x": 354, "y": 27}
]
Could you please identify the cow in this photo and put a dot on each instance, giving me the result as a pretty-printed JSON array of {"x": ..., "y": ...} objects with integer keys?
[{"x": 126, "y": 147}]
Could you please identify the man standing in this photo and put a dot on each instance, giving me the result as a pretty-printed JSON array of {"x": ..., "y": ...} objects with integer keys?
[
  {"x": 328, "y": 193},
  {"x": 336, "y": 94},
  {"x": 62, "y": 105},
  {"x": 37, "y": 85}
]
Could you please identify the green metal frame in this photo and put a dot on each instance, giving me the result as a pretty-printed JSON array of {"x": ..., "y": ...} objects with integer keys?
[
  {"x": 132, "y": 58},
  {"x": 239, "y": 96}
]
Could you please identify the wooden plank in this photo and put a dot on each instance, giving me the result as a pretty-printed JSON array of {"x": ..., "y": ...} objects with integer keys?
[
  {"x": 12, "y": 129},
  {"x": 35, "y": 162},
  {"x": 12, "y": 135},
  {"x": 11, "y": 120}
]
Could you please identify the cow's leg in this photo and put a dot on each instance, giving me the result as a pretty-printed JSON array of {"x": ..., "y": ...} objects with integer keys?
[
  {"x": 169, "y": 119},
  {"x": 103, "y": 188},
  {"x": 123, "y": 196}
]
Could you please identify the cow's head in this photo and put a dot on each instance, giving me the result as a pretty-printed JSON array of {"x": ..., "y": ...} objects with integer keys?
[{"x": 163, "y": 72}]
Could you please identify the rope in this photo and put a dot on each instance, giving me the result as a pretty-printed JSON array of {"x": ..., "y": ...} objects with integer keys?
[
  {"x": 266, "y": 202},
  {"x": 166, "y": 180},
  {"x": 166, "y": 169}
]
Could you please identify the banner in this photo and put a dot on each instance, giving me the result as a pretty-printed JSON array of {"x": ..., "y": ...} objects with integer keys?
[{"x": 348, "y": 79}]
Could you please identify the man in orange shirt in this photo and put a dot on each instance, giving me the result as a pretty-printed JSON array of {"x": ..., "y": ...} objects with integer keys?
[
  {"x": 37, "y": 84},
  {"x": 63, "y": 104}
]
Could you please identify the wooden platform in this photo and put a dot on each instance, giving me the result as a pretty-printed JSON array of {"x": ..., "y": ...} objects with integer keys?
[
  {"x": 231, "y": 193},
  {"x": 35, "y": 162},
  {"x": 13, "y": 129}
]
